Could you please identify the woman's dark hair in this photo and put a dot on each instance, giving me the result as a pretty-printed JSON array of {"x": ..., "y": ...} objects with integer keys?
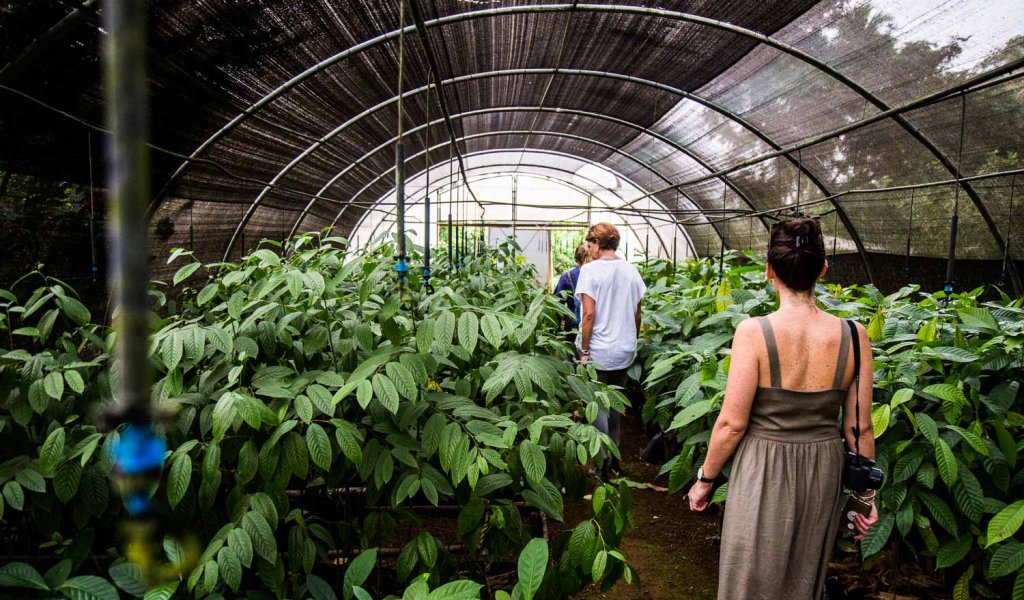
[
  {"x": 581, "y": 254},
  {"x": 796, "y": 252}
]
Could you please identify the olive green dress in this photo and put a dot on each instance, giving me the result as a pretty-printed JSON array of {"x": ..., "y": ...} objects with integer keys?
[{"x": 784, "y": 505}]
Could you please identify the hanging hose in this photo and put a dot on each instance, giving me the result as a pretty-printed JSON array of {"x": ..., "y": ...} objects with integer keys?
[
  {"x": 954, "y": 220},
  {"x": 426, "y": 211},
  {"x": 138, "y": 453},
  {"x": 1009, "y": 230},
  {"x": 910, "y": 229}
]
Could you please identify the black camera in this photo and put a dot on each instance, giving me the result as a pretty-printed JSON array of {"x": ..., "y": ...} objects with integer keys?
[{"x": 860, "y": 473}]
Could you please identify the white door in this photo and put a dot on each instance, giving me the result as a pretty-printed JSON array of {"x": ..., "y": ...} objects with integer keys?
[{"x": 534, "y": 244}]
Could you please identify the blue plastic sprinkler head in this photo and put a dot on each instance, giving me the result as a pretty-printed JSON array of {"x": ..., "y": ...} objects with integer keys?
[
  {"x": 138, "y": 456},
  {"x": 402, "y": 268}
]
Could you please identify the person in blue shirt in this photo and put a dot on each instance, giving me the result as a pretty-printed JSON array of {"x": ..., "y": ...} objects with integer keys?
[{"x": 567, "y": 282}]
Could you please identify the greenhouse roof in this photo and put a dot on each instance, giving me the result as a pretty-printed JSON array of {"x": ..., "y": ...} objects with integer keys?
[{"x": 884, "y": 117}]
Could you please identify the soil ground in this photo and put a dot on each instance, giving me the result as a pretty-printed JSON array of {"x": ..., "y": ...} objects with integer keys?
[{"x": 673, "y": 550}]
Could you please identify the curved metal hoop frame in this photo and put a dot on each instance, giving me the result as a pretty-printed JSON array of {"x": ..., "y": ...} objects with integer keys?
[
  {"x": 644, "y": 11},
  {"x": 567, "y": 181}
]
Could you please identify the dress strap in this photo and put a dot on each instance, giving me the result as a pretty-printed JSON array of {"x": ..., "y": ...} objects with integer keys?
[
  {"x": 844, "y": 353},
  {"x": 773, "y": 352}
]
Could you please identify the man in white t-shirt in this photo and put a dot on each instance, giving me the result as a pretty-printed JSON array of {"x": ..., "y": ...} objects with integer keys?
[{"x": 610, "y": 291}]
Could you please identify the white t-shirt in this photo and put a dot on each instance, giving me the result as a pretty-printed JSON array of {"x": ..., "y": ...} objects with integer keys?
[{"x": 617, "y": 288}]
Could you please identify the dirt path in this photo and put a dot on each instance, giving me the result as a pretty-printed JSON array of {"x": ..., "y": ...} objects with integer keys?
[{"x": 674, "y": 551}]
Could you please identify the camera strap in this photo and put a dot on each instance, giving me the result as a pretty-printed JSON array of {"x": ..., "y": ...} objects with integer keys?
[{"x": 856, "y": 383}]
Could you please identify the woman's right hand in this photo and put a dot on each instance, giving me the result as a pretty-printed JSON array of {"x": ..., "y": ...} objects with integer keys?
[
  {"x": 699, "y": 496},
  {"x": 862, "y": 524}
]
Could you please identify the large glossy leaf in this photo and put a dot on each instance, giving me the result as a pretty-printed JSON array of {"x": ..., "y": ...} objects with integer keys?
[
  {"x": 319, "y": 446},
  {"x": 468, "y": 331},
  {"x": 385, "y": 392},
  {"x": 533, "y": 562},
  {"x": 88, "y": 587},
  {"x": 1006, "y": 523},
  {"x": 533, "y": 460},
  {"x": 22, "y": 575},
  {"x": 359, "y": 570}
]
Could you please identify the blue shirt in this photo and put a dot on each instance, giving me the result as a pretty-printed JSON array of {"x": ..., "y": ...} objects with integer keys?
[{"x": 567, "y": 282}]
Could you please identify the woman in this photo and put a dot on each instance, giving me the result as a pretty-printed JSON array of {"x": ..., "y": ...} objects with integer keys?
[
  {"x": 790, "y": 373},
  {"x": 567, "y": 283},
  {"x": 610, "y": 291}
]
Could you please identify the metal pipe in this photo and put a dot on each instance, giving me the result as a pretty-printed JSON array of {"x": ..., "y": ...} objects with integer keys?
[{"x": 127, "y": 116}]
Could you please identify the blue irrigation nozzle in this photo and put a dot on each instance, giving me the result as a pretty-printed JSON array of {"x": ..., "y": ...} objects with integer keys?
[
  {"x": 402, "y": 268},
  {"x": 138, "y": 456}
]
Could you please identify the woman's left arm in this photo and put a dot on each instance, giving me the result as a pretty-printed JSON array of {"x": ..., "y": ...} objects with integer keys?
[{"x": 732, "y": 421}]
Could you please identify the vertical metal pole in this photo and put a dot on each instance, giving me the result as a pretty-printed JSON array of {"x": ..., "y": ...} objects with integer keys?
[
  {"x": 450, "y": 257},
  {"x": 426, "y": 207},
  {"x": 647, "y": 248},
  {"x": 954, "y": 220},
  {"x": 94, "y": 268},
  {"x": 128, "y": 176},
  {"x": 675, "y": 230},
  {"x": 401, "y": 267},
  {"x": 910, "y": 230},
  {"x": 1009, "y": 230}
]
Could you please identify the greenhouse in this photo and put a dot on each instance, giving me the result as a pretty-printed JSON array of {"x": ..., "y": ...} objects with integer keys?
[{"x": 279, "y": 309}]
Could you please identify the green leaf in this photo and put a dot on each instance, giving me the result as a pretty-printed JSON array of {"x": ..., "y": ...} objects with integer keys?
[
  {"x": 347, "y": 436},
  {"x": 471, "y": 516},
  {"x": 66, "y": 479},
  {"x": 978, "y": 318},
  {"x": 599, "y": 498},
  {"x": 30, "y": 479},
  {"x": 319, "y": 589},
  {"x": 691, "y": 413},
  {"x": 952, "y": 354},
  {"x": 403, "y": 380},
  {"x": 462, "y": 589},
  {"x": 946, "y": 462},
  {"x": 52, "y": 450},
  {"x": 491, "y": 328},
  {"x": 178, "y": 478},
  {"x": 425, "y": 335},
  {"x": 58, "y": 573},
  {"x": 128, "y": 577},
  {"x": 597, "y": 569},
  {"x": 953, "y": 551},
  {"x": 364, "y": 393},
  {"x": 358, "y": 571},
  {"x": 947, "y": 392},
  {"x": 876, "y": 327},
  {"x": 230, "y": 567},
  {"x": 1018, "y": 587},
  {"x": 583, "y": 536},
  {"x": 877, "y": 536},
  {"x": 185, "y": 272},
  {"x": 1007, "y": 559},
  {"x": 240, "y": 542},
  {"x": 75, "y": 381},
  {"x": 1006, "y": 523},
  {"x": 21, "y": 575},
  {"x": 319, "y": 446},
  {"x": 385, "y": 392},
  {"x": 533, "y": 460},
  {"x": 162, "y": 592},
  {"x": 53, "y": 385},
  {"x": 88, "y": 587},
  {"x": 426, "y": 547},
  {"x": 248, "y": 462},
  {"x": 940, "y": 511},
  {"x": 962, "y": 588},
  {"x": 262, "y": 536},
  {"x": 971, "y": 438},
  {"x": 14, "y": 495},
  {"x": 75, "y": 310},
  {"x": 207, "y": 293},
  {"x": 468, "y": 331},
  {"x": 533, "y": 562},
  {"x": 444, "y": 332}
]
